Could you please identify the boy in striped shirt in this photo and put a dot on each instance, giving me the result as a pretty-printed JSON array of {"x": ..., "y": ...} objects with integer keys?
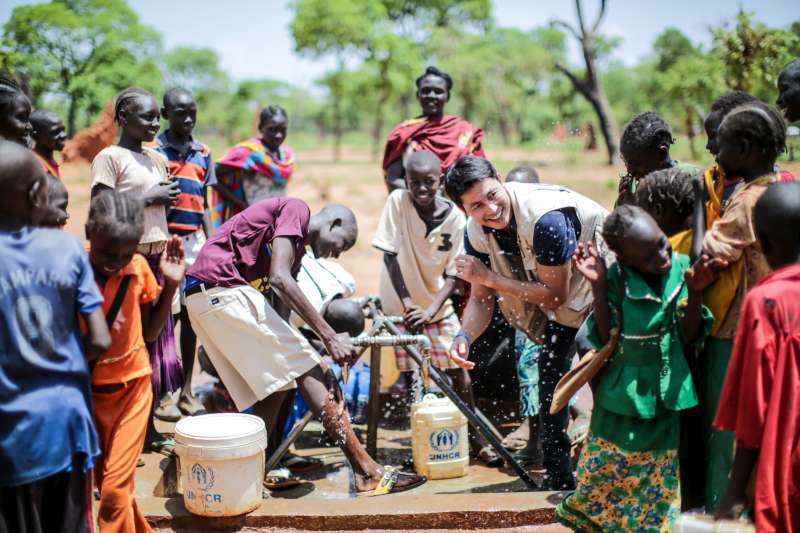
[{"x": 191, "y": 165}]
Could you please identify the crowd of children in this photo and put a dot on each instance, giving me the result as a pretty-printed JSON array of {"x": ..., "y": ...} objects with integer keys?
[{"x": 690, "y": 281}]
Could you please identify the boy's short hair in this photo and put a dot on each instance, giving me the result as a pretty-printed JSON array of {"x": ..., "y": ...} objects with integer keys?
[
  {"x": 345, "y": 316},
  {"x": 523, "y": 174},
  {"x": 118, "y": 214},
  {"x": 618, "y": 224},
  {"x": 777, "y": 218},
  {"x": 175, "y": 91},
  {"x": 41, "y": 117},
  {"x": 466, "y": 172}
]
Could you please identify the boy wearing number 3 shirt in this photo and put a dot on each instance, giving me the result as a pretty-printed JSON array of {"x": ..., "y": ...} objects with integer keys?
[{"x": 420, "y": 234}]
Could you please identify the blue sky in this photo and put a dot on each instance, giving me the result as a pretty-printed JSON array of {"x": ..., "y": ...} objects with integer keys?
[{"x": 253, "y": 40}]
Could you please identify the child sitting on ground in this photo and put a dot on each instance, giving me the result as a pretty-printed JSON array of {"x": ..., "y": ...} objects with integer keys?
[
  {"x": 49, "y": 135},
  {"x": 191, "y": 166},
  {"x": 420, "y": 234},
  {"x": 644, "y": 147},
  {"x": 55, "y": 215},
  {"x": 121, "y": 389},
  {"x": 750, "y": 139},
  {"x": 760, "y": 400},
  {"x": 48, "y": 442},
  {"x": 789, "y": 91},
  {"x": 15, "y": 113},
  {"x": 627, "y": 475}
]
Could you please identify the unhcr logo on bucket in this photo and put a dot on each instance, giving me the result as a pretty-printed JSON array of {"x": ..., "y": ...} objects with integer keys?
[{"x": 444, "y": 444}]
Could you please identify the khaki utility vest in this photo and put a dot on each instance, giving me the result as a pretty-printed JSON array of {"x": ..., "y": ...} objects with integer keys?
[{"x": 529, "y": 203}]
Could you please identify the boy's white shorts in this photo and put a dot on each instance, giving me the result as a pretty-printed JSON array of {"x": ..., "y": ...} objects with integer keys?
[
  {"x": 192, "y": 243},
  {"x": 254, "y": 351}
]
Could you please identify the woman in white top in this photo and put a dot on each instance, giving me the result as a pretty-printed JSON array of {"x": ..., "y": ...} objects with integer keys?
[{"x": 129, "y": 166}]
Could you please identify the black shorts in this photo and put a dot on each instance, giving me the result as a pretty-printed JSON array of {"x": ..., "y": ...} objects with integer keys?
[{"x": 60, "y": 503}]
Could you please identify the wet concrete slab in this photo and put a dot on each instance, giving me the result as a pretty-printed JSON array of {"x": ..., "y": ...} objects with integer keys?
[{"x": 484, "y": 499}]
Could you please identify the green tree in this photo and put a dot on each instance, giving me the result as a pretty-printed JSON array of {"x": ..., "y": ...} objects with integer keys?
[
  {"x": 752, "y": 54},
  {"x": 81, "y": 50},
  {"x": 684, "y": 80},
  {"x": 195, "y": 69},
  {"x": 324, "y": 28}
]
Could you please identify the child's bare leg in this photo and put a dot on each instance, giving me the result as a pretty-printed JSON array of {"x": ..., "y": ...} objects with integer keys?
[
  {"x": 188, "y": 342},
  {"x": 324, "y": 397},
  {"x": 272, "y": 410}
]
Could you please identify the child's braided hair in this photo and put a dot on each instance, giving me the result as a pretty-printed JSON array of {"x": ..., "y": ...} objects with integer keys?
[
  {"x": 645, "y": 132},
  {"x": 730, "y": 101},
  {"x": 435, "y": 72},
  {"x": 269, "y": 112},
  {"x": 666, "y": 190},
  {"x": 9, "y": 91},
  {"x": 124, "y": 100},
  {"x": 761, "y": 124},
  {"x": 117, "y": 214},
  {"x": 617, "y": 225}
]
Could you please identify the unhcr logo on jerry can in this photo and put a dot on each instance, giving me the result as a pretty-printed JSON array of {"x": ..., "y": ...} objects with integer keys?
[{"x": 444, "y": 444}]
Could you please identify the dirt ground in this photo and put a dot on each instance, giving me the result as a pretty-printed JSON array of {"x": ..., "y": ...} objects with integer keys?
[{"x": 357, "y": 182}]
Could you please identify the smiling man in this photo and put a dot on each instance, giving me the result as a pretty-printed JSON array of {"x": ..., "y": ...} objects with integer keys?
[{"x": 519, "y": 243}]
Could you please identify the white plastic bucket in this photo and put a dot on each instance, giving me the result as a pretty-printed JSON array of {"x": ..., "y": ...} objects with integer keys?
[
  {"x": 439, "y": 438},
  {"x": 221, "y": 463}
]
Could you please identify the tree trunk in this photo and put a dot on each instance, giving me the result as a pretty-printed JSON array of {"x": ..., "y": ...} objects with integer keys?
[
  {"x": 338, "y": 130},
  {"x": 691, "y": 133},
  {"x": 72, "y": 115},
  {"x": 505, "y": 128},
  {"x": 606, "y": 122},
  {"x": 377, "y": 130}
]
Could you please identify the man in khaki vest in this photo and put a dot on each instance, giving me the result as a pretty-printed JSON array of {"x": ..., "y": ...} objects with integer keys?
[{"x": 519, "y": 243}]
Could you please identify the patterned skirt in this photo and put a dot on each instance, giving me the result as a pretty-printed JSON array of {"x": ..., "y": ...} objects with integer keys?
[
  {"x": 619, "y": 490},
  {"x": 528, "y": 374},
  {"x": 441, "y": 335},
  {"x": 167, "y": 373}
]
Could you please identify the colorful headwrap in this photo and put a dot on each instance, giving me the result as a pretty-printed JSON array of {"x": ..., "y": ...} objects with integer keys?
[{"x": 250, "y": 155}]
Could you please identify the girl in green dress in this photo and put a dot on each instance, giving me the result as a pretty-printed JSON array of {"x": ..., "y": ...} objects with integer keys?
[{"x": 627, "y": 475}]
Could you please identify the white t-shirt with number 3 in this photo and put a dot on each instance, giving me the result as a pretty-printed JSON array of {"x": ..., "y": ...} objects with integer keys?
[{"x": 424, "y": 258}]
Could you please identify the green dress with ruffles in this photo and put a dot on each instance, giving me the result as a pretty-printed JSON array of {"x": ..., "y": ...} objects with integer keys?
[{"x": 646, "y": 382}]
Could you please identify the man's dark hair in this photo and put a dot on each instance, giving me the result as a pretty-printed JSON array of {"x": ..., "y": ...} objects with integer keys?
[
  {"x": 42, "y": 117},
  {"x": 466, "y": 172}
]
